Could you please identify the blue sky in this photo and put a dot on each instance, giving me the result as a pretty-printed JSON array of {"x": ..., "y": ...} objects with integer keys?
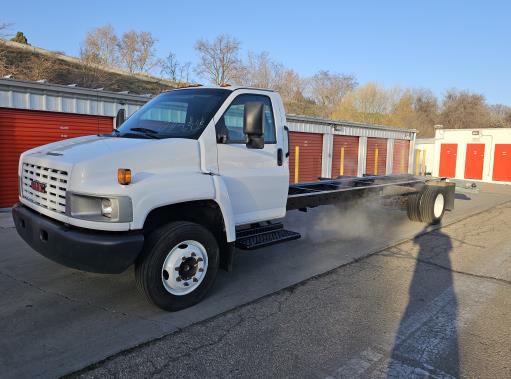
[{"x": 421, "y": 44}]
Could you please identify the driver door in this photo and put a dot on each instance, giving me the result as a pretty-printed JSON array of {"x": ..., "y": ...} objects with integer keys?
[{"x": 256, "y": 179}]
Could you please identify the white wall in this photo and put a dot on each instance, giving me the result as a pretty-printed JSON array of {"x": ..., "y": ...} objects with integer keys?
[{"x": 461, "y": 137}]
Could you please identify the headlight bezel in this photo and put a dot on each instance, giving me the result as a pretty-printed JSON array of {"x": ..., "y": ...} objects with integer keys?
[{"x": 90, "y": 207}]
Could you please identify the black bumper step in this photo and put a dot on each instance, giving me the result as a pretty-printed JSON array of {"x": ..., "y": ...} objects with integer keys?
[{"x": 262, "y": 236}]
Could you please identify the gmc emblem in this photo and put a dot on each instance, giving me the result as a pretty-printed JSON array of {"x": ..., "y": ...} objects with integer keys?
[{"x": 38, "y": 186}]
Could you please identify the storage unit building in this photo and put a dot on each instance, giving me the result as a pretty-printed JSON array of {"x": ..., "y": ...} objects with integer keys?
[
  {"x": 347, "y": 149},
  {"x": 473, "y": 154},
  {"x": 37, "y": 113}
]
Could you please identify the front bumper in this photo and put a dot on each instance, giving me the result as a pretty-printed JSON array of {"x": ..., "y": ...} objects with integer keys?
[{"x": 101, "y": 252}]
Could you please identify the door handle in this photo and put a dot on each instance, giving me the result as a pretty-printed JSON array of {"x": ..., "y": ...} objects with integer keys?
[
  {"x": 286, "y": 129},
  {"x": 280, "y": 157}
]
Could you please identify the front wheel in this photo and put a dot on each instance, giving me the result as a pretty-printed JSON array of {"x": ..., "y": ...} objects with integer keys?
[{"x": 178, "y": 266}]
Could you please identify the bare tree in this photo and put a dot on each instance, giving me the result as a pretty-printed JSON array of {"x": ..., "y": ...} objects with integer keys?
[
  {"x": 219, "y": 60},
  {"x": 136, "y": 51},
  {"x": 184, "y": 72},
  {"x": 328, "y": 88},
  {"x": 462, "y": 109},
  {"x": 100, "y": 46},
  {"x": 146, "y": 51},
  {"x": 174, "y": 70},
  {"x": 500, "y": 115},
  {"x": 260, "y": 70},
  {"x": 128, "y": 46}
]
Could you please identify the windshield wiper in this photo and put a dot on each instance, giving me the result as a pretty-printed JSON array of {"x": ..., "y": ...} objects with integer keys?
[{"x": 145, "y": 131}]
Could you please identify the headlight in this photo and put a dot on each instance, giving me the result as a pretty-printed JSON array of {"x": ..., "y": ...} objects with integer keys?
[
  {"x": 106, "y": 207},
  {"x": 99, "y": 208}
]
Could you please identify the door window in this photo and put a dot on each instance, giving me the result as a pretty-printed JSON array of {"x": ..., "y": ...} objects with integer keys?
[{"x": 232, "y": 122}]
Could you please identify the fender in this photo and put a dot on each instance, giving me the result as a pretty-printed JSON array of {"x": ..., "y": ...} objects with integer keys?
[
  {"x": 157, "y": 193},
  {"x": 224, "y": 202},
  {"x": 162, "y": 190}
]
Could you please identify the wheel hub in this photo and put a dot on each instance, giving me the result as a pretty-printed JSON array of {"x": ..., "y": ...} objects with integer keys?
[
  {"x": 184, "y": 267},
  {"x": 188, "y": 268}
]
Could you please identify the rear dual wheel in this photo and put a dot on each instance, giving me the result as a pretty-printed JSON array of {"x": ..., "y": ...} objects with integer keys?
[
  {"x": 427, "y": 206},
  {"x": 178, "y": 266}
]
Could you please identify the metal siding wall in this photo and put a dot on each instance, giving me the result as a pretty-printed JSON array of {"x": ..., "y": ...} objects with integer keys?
[
  {"x": 68, "y": 99},
  {"x": 318, "y": 125},
  {"x": 374, "y": 144},
  {"x": 400, "y": 157},
  {"x": 310, "y": 156},
  {"x": 350, "y": 159},
  {"x": 21, "y": 130}
]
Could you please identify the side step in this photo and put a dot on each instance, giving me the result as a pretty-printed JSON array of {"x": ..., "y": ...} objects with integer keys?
[{"x": 265, "y": 235}]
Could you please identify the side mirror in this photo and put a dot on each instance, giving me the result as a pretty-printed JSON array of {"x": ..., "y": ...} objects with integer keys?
[
  {"x": 253, "y": 125},
  {"x": 120, "y": 118}
]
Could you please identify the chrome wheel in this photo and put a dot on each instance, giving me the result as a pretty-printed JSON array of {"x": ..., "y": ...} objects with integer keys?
[{"x": 184, "y": 267}]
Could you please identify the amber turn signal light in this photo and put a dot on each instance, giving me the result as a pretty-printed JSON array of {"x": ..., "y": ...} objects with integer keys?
[{"x": 124, "y": 176}]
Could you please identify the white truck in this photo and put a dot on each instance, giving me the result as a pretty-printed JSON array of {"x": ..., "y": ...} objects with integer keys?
[{"x": 187, "y": 178}]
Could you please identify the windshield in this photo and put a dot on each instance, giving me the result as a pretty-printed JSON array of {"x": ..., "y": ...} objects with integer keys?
[{"x": 174, "y": 114}]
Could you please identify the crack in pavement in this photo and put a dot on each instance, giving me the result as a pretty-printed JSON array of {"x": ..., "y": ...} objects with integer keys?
[{"x": 479, "y": 276}]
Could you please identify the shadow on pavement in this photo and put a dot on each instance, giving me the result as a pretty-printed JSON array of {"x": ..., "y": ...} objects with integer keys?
[
  {"x": 461, "y": 196},
  {"x": 426, "y": 343}
]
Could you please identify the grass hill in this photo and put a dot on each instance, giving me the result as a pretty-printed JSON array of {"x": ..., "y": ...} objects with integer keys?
[{"x": 32, "y": 63}]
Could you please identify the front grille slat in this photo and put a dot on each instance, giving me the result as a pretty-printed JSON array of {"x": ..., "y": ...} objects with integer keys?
[{"x": 56, "y": 185}]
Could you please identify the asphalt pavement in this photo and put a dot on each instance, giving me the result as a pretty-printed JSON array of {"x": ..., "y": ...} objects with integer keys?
[
  {"x": 57, "y": 320},
  {"x": 436, "y": 306}
]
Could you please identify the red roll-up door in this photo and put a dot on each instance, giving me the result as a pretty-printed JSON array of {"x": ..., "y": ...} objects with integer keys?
[
  {"x": 448, "y": 155},
  {"x": 376, "y": 159},
  {"x": 474, "y": 161},
  {"x": 307, "y": 167},
  {"x": 21, "y": 130},
  {"x": 344, "y": 156},
  {"x": 502, "y": 163},
  {"x": 400, "y": 156}
]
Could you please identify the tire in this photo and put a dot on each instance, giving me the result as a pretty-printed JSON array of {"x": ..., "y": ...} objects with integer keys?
[
  {"x": 413, "y": 207},
  {"x": 432, "y": 205},
  {"x": 177, "y": 254}
]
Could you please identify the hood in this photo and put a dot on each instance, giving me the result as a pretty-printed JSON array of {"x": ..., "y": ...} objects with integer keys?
[
  {"x": 76, "y": 150},
  {"x": 94, "y": 160}
]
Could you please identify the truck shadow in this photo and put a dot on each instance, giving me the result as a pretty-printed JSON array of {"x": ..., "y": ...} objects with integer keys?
[{"x": 426, "y": 343}]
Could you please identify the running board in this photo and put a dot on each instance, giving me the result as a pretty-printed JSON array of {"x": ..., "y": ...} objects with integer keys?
[{"x": 262, "y": 236}]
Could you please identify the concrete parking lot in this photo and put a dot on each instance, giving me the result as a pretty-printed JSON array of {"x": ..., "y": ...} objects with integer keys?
[{"x": 369, "y": 317}]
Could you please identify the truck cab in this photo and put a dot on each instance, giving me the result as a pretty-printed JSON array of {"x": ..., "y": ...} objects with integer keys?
[{"x": 165, "y": 191}]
